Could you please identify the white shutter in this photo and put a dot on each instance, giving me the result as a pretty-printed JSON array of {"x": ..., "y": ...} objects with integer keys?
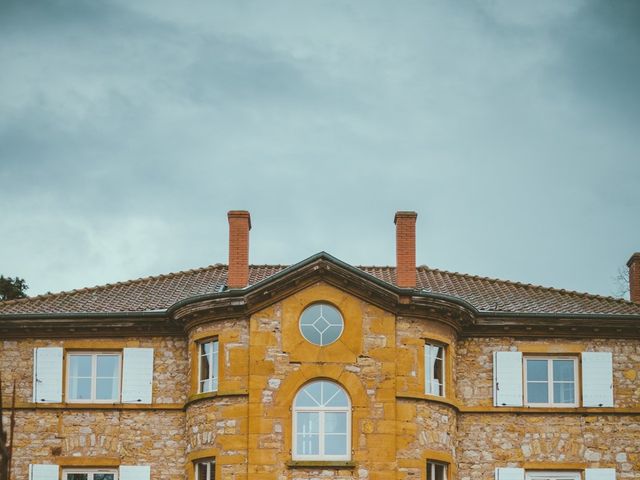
[
  {"x": 43, "y": 472},
  {"x": 137, "y": 375},
  {"x": 135, "y": 473},
  {"x": 600, "y": 474},
  {"x": 509, "y": 473},
  {"x": 597, "y": 379},
  {"x": 507, "y": 379},
  {"x": 47, "y": 375}
]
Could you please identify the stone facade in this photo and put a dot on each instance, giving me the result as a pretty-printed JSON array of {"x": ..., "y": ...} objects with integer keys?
[{"x": 379, "y": 360}]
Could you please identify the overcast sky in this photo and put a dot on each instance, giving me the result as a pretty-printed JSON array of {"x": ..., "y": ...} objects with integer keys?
[{"x": 128, "y": 129}]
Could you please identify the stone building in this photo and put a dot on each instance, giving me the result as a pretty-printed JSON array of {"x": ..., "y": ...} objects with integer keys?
[{"x": 323, "y": 370}]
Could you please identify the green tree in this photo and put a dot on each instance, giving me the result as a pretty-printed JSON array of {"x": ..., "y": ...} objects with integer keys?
[{"x": 11, "y": 288}]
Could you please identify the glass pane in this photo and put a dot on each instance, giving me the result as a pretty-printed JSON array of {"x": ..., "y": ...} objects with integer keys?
[
  {"x": 335, "y": 444},
  {"x": 311, "y": 334},
  {"x": 206, "y": 348},
  {"x": 440, "y": 472},
  {"x": 537, "y": 370},
  {"x": 106, "y": 389},
  {"x": 331, "y": 315},
  {"x": 307, "y": 444},
  {"x": 564, "y": 392},
  {"x": 563, "y": 370},
  {"x": 103, "y": 476},
  {"x": 80, "y": 388},
  {"x": 77, "y": 476},
  {"x": 107, "y": 366},
  {"x": 339, "y": 399},
  {"x": 537, "y": 392},
  {"x": 205, "y": 368},
  {"x": 331, "y": 334},
  {"x": 201, "y": 471},
  {"x": 308, "y": 422},
  {"x": 309, "y": 396},
  {"x": 310, "y": 315},
  {"x": 80, "y": 366},
  {"x": 335, "y": 422}
]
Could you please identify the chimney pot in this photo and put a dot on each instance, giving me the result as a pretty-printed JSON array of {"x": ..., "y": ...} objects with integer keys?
[
  {"x": 634, "y": 277},
  {"x": 406, "y": 249},
  {"x": 239, "y": 226}
]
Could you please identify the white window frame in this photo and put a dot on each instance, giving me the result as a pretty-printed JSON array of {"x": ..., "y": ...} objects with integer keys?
[
  {"x": 428, "y": 374},
  {"x": 213, "y": 375},
  {"x": 553, "y": 475},
  {"x": 550, "y": 382},
  {"x": 90, "y": 472},
  {"x": 94, "y": 367},
  {"x": 321, "y": 423},
  {"x": 432, "y": 464},
  {"x": 209, "y": 463}
]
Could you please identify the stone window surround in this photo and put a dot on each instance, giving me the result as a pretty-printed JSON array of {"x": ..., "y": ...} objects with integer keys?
[
  {"x": 68, "y": 353},
  {"x": 194, "y": 363},
  {"x": 449, "y": 355},
  {"x": 576, "y": 379},
  {"x": 200, "y": 455}
]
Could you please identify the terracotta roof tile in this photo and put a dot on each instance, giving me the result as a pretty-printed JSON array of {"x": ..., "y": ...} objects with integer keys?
[{"x": 160, "y": 292}]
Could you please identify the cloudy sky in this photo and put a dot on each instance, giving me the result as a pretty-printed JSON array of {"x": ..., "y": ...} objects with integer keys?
[{"x": 128, "y": 129}]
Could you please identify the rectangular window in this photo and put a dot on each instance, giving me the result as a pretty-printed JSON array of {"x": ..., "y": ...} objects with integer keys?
[
  {"x": 93, "y": 377},
  {"x": 208, "y": 366},
  {"x": 436, "y": 470},
  {"x": 434, "y": 369},
  {"x": 206, "y": 469},
  {"x": 553, "y": 476},
  {"x": 97, "y": 474},
  {"x": 551, "y": 381}
]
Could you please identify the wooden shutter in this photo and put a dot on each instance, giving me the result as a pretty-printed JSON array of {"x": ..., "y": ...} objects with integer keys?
[
  {"x": 47, "y": 375},
  {"x": 509, "y": 473},
  {"x": 507, "y": 379},
  {"x": 600, "y": 474},
  {"x": 137, "y": 375},
  {"x": 597, "y": 379},
  {"x": 43, "y": 472},
  {"x": 135, "y": 472}
]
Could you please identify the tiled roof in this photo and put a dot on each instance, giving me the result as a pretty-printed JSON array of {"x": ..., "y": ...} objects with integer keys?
[{"x": 160, "y": 292}]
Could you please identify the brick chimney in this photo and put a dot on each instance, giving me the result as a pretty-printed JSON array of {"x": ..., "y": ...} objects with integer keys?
[
  {"x": 239, "y": 226},
  {"x": 634, "y": 277},
  {"x": 406, "y": 249}
]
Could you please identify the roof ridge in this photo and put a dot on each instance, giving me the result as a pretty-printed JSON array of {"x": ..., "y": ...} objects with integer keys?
[
  {"x": 108, "y": 285},
  {"x": 532, "y": 285}
]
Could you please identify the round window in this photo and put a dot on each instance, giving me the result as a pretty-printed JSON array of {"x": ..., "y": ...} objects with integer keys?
[{"x": 321, "y": 324}]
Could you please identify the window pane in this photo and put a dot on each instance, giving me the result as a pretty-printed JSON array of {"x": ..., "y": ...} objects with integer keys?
[
  {"x": 335, "y": 444},
  {"x": 311, "y": 334},
  {"x": 201, "y": 471},
  {"x": 440, "y": 472},
  {"x": 107, "y": 366},
  {"x": 309, "y": 396},
  {"x": 331, "y": 334},
  {"x": 79, "y": 388},
  {"x": 537, "y": 370},
  {"x": 307, "y": 444},
  {"x": 335, "y": 422},
  {"x": 308, "y": 422},
  {"x": 339, "y": 399},
  {"x": 564, "y": 392},
  {"x": 103, "y": 476},
  {"x": 206, "y": 348},
  {"x": 80, "y": 366},
  {"x": 205, "y": 369},
  {"x": 77, "y": 476},
  {"x": 563, "y": 370},
  {"x": 106, "y": 389},
  {"x": 537, "y": 392}
]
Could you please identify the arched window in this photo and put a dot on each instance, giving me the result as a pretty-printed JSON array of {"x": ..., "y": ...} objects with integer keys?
[{"x": 322, "y": 422}]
